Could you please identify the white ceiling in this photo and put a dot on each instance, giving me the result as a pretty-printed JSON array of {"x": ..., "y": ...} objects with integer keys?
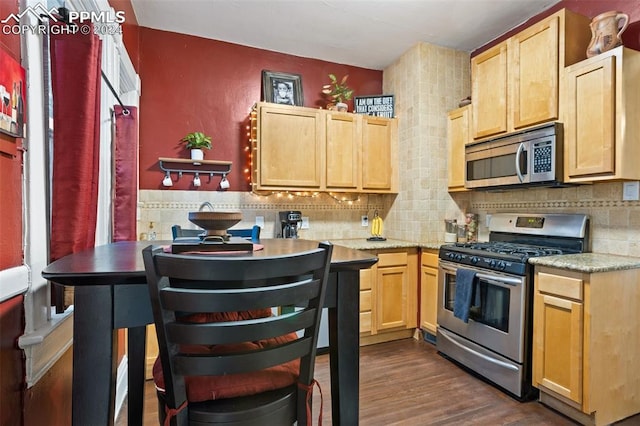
[{"x": 365, "y": 33}]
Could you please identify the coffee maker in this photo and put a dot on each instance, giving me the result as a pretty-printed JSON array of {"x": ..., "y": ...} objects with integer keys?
[{"x": 289, "y": 221}]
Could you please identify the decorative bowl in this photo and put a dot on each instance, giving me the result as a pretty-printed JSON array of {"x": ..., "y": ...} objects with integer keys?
[{"x": 216, "y": 223}]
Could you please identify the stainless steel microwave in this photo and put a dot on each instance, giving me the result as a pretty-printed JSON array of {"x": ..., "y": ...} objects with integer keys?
[{"x": 529, "y": 157}]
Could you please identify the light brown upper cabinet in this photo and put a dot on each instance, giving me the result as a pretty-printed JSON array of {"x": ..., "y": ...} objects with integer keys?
[
  {"x": 602, "y": 124},
  {"x": 457, "y": 137},
  {"x": 344, "y": 136},
  {"x": 308, "y": 149},
  {"x": 379, "y": 154},
  {"x": 517, "y": 83},
  {"x": 290, "y": 145}
]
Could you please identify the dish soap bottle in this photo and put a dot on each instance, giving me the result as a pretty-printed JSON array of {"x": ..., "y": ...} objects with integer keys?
[{"x": 151, "y": 235}]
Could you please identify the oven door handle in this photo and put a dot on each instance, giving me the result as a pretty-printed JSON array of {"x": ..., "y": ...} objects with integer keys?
[
  {"x": 499, "y": 280},
  {"x": 492, "y": 278},
  {"x": 518, "y": 155},
  {"x": 478, "y": 354}
]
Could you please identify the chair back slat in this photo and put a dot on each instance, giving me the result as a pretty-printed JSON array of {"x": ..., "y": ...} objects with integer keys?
[
  {"x": 259, "y": 359},
  {"x": 236, "y": 267},
  {"x": 240, "y": 331},
  {"x": 225, "y": 300}
]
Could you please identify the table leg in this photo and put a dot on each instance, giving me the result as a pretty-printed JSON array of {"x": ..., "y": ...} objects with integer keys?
[
  {"x": 137, "y": 340},
  {"x": 344, "y": 349},
  {"x": 94, "y": 357}
]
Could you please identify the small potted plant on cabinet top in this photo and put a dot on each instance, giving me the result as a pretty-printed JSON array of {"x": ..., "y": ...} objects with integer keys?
[
  {"x": 196, "y": 142},
  {"x": 338, "y": 92}
]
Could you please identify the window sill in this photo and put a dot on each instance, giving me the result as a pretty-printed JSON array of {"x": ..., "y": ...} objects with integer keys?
[{"x": 44, "y": 347}]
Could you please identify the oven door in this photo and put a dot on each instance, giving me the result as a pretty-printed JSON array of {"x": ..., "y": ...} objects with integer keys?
[{"x": 497, "y": 316}]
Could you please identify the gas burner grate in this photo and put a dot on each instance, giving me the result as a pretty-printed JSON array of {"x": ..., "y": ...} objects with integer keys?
[{"x": 512, "y": 249}]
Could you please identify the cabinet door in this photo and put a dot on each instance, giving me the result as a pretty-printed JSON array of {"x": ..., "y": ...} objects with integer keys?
[
  {"x": 429, "y": 292},
  {"x": 457, "y": 136},
  {"x": 290, "y": 148},
  {"x": 379, "y": 158},
  {"x": 533, "y": 73},
  {"x": 489, "y": 91},
  {"x": 391, "y": 297},
  {"x": 558, "y": 345},
  {"x": 344, "y": 139},
  {"x": 590, "y": 122}
]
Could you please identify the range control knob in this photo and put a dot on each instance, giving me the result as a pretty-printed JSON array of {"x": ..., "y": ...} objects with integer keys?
[
  {"x": 475, "y": 259},
  {"x": 492, "y": 263},
  {"x": 458, "y": 257},
  {"x": 502, "y": 265}
]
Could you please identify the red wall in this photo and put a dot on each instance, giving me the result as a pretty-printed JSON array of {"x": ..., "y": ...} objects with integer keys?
[
  {"x": 10, "y": 172},
  {"x": 11, "y": 311},
  {"x": 589, "y": 8},
  {"x": 195, "y": 84}
]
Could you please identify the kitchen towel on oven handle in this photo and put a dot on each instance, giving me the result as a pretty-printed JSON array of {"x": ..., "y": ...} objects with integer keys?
[{"x": 465, "y": 283}]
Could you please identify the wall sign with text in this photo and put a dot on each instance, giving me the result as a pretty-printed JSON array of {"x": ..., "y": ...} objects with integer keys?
[{"x": 379, "y": 105}]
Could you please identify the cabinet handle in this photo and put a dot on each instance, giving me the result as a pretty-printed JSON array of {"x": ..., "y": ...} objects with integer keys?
[
  {"x": 518, "y": 154},
  {"x": 478, "y": 354}
]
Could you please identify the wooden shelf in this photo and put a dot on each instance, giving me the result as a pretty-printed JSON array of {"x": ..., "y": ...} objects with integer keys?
[
  {"x": 186, "y": 165},
  {"x": 195, "y": 162},
  {"x": 197, "y": 167}
]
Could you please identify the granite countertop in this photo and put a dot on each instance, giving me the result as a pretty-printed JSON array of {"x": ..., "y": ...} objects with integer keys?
[
  {"x": 583, "y": 262},
  {"x": 363, "y": 244},
  {"x": 389, "y": 243},
  {"x": 588, "y": 262}
]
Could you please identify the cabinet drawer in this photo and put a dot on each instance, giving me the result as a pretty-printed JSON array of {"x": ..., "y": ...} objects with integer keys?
[
  {"x": 365, "y": 322},
  {"x": 429, "y": 259},
  {"x": 392, "y": 259},
  {"x": 366, "y": 277},
  {"x": 365, "y": 300},
  {"x": 560, "y": 285}
]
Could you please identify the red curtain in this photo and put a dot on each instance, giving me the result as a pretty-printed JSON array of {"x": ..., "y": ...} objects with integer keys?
[
  {"x": 75, "y": 77},
  {"x": 125, "y": 198}
]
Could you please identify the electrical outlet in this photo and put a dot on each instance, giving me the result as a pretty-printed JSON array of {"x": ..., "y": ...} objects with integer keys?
[
  {"x": 260, "y": 221},
  {"x": 630, "y": 191},
  {"x": 305, "y": 223},
  {"x": 488, "y": 220},
  {"x": 365, "y": 220}
]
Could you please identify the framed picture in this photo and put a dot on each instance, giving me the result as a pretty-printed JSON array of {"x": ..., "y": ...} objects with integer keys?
[
  {"x": 281, "y": 88},
  {"x": 379, "y": 105}
]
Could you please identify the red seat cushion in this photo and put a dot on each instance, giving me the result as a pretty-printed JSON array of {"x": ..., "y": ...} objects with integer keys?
[{"x": 204, "y": 388}]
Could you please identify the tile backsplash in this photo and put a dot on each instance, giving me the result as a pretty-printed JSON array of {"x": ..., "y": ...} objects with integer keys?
[{"x": 330, "y": 217}]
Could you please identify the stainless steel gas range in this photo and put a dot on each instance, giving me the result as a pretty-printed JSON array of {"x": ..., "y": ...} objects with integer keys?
[{"x": 485, "y": 294}]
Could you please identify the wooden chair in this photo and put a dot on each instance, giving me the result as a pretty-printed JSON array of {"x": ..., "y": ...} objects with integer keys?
[
  {"x": 253, "y": 233},
  {"x": 209, "y": 312},
  {"x": 178, "y": 232}
]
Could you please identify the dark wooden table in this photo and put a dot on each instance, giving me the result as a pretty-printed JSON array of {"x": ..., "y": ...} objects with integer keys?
[{"x": 111, "y": 293}]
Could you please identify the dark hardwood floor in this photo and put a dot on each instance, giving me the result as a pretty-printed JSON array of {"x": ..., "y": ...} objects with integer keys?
[{"x": 406, "y": 382}]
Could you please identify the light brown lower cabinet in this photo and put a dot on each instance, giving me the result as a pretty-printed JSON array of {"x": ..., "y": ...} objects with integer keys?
[
  {"x": 586, "y": 343},
  {"x": 429, "y": 290},
  {"x": 388, "y": 296}
]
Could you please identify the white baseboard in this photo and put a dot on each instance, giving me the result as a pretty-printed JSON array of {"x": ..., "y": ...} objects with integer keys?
[{"x": 122, "y": 384}]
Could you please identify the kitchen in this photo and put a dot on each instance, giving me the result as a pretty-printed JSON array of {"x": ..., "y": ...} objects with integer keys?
[{"x": 417, "y": 212}]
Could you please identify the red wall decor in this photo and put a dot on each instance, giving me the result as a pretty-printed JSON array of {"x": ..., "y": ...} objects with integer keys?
[
  {"x": 195, "y": 84},
  {"x": 12, "y": 101}
]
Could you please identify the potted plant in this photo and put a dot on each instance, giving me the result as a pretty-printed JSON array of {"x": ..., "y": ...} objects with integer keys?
[
  {"x": 338, "y": 92},
  {"x": 196, "y": 142}
]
